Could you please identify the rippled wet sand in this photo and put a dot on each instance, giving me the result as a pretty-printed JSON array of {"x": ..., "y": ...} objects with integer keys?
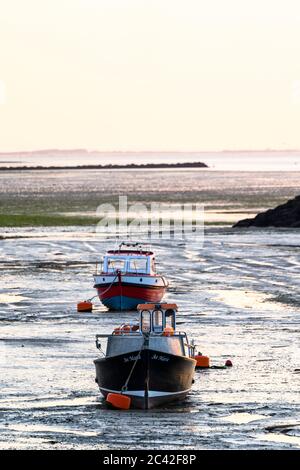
[{"x": 239, "y": 299}]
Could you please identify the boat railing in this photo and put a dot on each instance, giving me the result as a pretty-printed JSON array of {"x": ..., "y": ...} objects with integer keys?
[
  {"x": 190, "y": 346},
  {"x": 138, "y": 246},
  {"x": 98, "y": 268},
  {"x": 128, "y": 334},
  {"x": 124, "y": 334}
]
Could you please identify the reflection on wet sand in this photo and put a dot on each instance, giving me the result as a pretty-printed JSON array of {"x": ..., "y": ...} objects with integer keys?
[
  {"x": 246, "y": 299},
  {"x": 11, "y": 298},
  {"x": 242, "y": 418}
]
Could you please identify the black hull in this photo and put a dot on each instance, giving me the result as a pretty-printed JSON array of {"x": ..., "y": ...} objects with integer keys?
[{"x": 157, "y": 378}]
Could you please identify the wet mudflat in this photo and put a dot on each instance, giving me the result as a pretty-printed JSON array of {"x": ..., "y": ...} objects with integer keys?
[
  {"x": 73, "y": 192},
  {"x": 238, "y": 298}
]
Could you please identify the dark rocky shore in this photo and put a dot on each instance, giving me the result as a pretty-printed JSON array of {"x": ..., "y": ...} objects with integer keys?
[
  {"x": 131, "y": 166},
  {"x": 285, "y": 215}
]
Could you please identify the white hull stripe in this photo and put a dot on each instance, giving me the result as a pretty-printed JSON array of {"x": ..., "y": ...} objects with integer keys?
[
  {"x": 146, "y": 280},
  {"x": 141, "y": 393}
]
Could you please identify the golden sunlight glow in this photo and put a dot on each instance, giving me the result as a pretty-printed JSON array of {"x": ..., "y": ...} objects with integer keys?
[{"x": 149, "y": 74}]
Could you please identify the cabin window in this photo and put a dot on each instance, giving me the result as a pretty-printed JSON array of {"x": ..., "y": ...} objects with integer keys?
[
  {"x": 145, "y": 321},
  {"x": 138, "y": 265},
  {"x": 153, "y": 265},
  {"x": 113, "y": 264},
  {"x": 170, "y": 318},
  {"x": 157, "y": 316}
]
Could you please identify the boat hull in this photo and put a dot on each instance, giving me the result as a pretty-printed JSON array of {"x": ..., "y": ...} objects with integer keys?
[
  {"x": 158, "y": 378},
  {"x": 127, "y": 293},
  {"x": 121, "y": 302}
]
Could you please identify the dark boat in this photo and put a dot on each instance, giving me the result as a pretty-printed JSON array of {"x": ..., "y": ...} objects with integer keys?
[
  {"x": 150, "y": 363},
  {"x": 128, "y": 277}
]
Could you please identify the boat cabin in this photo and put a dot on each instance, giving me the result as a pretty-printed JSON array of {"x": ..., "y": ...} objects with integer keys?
[
  {"x": 129, "y": 258},
  {"x": 157, "y": 319},
  {"x": 159, "y": 323}
]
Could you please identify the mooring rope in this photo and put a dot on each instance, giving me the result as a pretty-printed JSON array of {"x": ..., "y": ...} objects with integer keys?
[
  {"x": 125, "y": 386},
  {"x": 106, "y": 290}
]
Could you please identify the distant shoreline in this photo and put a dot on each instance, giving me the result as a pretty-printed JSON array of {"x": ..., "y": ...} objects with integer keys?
[{"x": 130, "y": 166}]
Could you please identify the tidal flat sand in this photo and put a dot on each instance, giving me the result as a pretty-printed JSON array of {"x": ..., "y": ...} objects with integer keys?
[{"x": 238, "y": 297}]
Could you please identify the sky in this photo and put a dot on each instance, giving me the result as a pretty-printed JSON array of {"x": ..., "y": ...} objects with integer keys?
[{"x": 149, "y": 74}]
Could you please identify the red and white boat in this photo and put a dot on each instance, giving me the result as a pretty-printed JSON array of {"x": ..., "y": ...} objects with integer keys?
[{"x": 128, "y": 278}]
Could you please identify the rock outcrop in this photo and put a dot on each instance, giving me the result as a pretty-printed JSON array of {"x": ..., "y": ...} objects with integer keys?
[{"x": 285, "y": 215}]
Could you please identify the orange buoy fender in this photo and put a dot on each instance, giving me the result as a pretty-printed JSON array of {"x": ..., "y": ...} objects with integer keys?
[
  {"x": 85, "y": 306},
  {"x": 122, "y": 402},
  {"x": 121, "y": 330},
  {"x": 168, "y": 331},
  {"x": 125, "y": 329},
  {"x": 202, "y": 361}
]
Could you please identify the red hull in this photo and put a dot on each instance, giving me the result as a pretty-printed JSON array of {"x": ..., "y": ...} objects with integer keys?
[{"x": 149, "y": 294}]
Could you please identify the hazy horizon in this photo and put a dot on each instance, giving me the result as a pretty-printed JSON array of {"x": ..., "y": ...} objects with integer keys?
[
  {"x": 222, "y": 161},
  {"x": 116, "y": 151}
]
